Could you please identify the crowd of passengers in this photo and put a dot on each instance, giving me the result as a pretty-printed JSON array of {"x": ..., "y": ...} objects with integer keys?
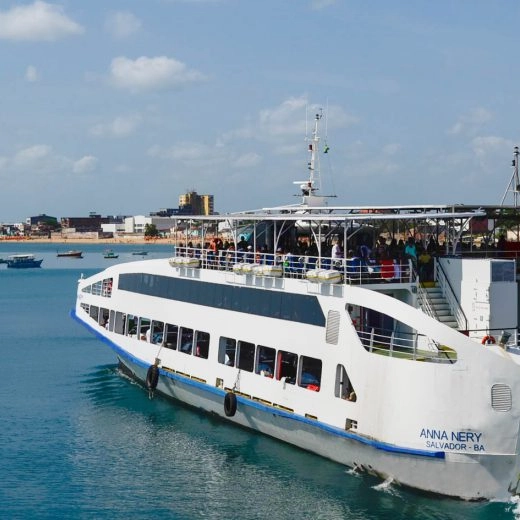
[{"x": 386, "y": 258}]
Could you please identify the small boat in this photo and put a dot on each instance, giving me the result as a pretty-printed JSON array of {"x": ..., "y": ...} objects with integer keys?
[
  {"x": 110, "y": 254},
  {"x": 23, "y": 261},
  {"x": 140, "y": 253},
  {"x": 71, "y": 254},
  {"x": 3, "y": 260}
]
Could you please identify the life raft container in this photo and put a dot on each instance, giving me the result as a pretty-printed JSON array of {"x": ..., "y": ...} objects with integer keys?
[
  {"x": 488, "y": 340},
  {"x": 230, "y": 404}
]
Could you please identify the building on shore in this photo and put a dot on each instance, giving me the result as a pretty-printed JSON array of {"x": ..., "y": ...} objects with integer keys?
[{"x": 191, "y": 203}]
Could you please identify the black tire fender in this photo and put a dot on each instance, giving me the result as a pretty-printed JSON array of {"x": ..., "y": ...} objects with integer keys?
[
  {"x": 230, "y": 404},
  {"x": 152, "y": 377}
]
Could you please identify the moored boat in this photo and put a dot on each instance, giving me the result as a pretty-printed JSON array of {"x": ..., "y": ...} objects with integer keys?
[
  {"x": 110, "y": 254},
  {"x": 70, "y": 254},
  {"x": 321, "y": 330},
  {"x": 140, "y": 253},
  {"x": 23, "y": 261}
]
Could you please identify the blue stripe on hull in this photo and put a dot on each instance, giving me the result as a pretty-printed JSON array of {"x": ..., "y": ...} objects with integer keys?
[{"x": 268, "y": 409}]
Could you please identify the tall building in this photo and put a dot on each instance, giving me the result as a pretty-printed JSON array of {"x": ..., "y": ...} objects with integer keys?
[{"x": 195, "y": 204}]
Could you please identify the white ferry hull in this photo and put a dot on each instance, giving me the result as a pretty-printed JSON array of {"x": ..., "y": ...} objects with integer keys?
[{"x": 455, "y": 475}]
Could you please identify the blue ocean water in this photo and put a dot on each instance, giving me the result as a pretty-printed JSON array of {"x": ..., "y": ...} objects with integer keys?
[{"x": 79, "y": 440}]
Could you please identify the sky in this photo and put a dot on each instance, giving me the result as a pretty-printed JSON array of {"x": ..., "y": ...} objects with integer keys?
[{"x": 119, "y": 106}]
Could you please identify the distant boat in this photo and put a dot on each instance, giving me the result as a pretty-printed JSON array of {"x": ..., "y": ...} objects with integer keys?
[
  {"x": 110, "y": 254},
  {"x": 23, "y": 261},
  {"x": 72, "y": 254},
  {"x": 3, "y": 260},
  {"x": 142, "y": 253}
]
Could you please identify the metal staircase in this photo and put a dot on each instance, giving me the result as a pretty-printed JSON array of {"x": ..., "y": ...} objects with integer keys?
[{"x": 433, "y": 302}]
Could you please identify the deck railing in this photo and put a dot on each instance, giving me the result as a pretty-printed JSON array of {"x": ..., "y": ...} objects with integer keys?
[
  {"x": 351, "y": 270},
  {"x": 415, "y": 347}
]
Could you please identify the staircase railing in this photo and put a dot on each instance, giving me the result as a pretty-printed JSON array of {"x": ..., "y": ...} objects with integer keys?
[
  {"x": 451, "y": 297},
  {"x": 425, "y": 303}
]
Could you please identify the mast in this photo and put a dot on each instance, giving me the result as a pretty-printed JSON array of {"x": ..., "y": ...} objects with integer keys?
[
  {"x": 310, "y": 187},
  {"x": 514, "y": 183}
]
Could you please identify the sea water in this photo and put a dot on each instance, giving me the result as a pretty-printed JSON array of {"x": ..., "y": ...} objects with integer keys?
[{"x": 80, "y": 440}]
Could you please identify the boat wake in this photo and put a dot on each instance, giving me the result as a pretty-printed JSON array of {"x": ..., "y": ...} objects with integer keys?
[
  {"x": 515, "y": 506},
  {"x": 387, "y": 487}
]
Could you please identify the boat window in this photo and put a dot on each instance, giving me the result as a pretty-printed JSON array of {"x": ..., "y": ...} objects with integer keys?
[
  {"x": 85, "y": 307},
  {"x": 157, "y": 334},
  {"x": 171, "y": 335},
  {"x": 119, "y": 322},
  {"x": 103, "y": 317},
  {"x": 97, "y": 288},
  {"x": 343, "y": 387},
  {"x": 202, "y": 344},
  {"x": 287, "y": 364},
  {"x": 131, "y": 326},
  {"x": 87, "y": 289},
  {"x": 94, "y": 312},
  {"x": 186, "y": 344},
  {"x": 111, "y": 321},
  {"x": 310, "y": 377},
  {"x": 265, "y": 361},
  {"x": 144, "y": 329},
  {"x": 227, "y": 349},
  {"x": 107, "y": 287},
  {"x": 246, "y": 356}
]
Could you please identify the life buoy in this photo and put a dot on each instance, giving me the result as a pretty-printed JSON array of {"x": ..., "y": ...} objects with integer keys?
[
  {"x": 152, "y": 377},
  {"x": 230, "y": 404},
  {"x": 488, "y": 340}
]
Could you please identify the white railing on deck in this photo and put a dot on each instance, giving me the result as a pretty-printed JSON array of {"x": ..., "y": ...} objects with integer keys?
[
  {"x": 352, "y": 270},
  {"x": 415, "y": 348}
]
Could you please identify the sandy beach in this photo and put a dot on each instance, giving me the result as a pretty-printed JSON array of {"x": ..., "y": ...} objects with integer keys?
[{"x": 84, "y": 241}]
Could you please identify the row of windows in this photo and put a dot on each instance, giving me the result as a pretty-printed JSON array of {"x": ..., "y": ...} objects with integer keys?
[
  {"x": 101, "y": 288},
  {"x": 305, "y": 371},
  {"x": 268, "y": 362}
]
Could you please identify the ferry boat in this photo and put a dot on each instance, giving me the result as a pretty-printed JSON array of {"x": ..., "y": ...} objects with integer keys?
[
  {"x": 23, "y": 261},
  {"x": 379, "y": 360},
  {"x": 70, "y": 254}
]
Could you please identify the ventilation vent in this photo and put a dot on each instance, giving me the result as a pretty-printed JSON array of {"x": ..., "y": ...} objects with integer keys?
[
  {"x": 501, "y": 398},
  {"x": 332, "y": 333}
]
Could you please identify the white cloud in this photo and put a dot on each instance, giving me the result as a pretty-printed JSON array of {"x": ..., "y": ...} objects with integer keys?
[
  {"x": 247, "y": 160},
  {"x": 120, "y": 127},
  {"x": 85, "y": 164},
  {"x": 151, "y": 73},
  {"x": 122, "y": 24},
  {"x": 39, "y": 21},
  {"x": 490, "y": 145},
  {"x": 41, "y": 162},
  {"x": 31, "y": 74},
  {"x": 471, "y": 123},
  {"x": 292, "y": 118},
  {"x": 30, "y": 156}
]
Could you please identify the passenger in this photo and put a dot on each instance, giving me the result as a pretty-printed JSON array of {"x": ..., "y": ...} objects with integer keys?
[
  {"x": 249, "y": 257},
  {"x": 337, "y": 251},
  {"x": 410, "y": 251},
  {"x": 424, "y": 261},
  {"x": 397, "y": 269}
]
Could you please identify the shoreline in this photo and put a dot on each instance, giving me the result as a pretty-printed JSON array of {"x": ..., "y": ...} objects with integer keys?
[{"x": 86, "y": 241}]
